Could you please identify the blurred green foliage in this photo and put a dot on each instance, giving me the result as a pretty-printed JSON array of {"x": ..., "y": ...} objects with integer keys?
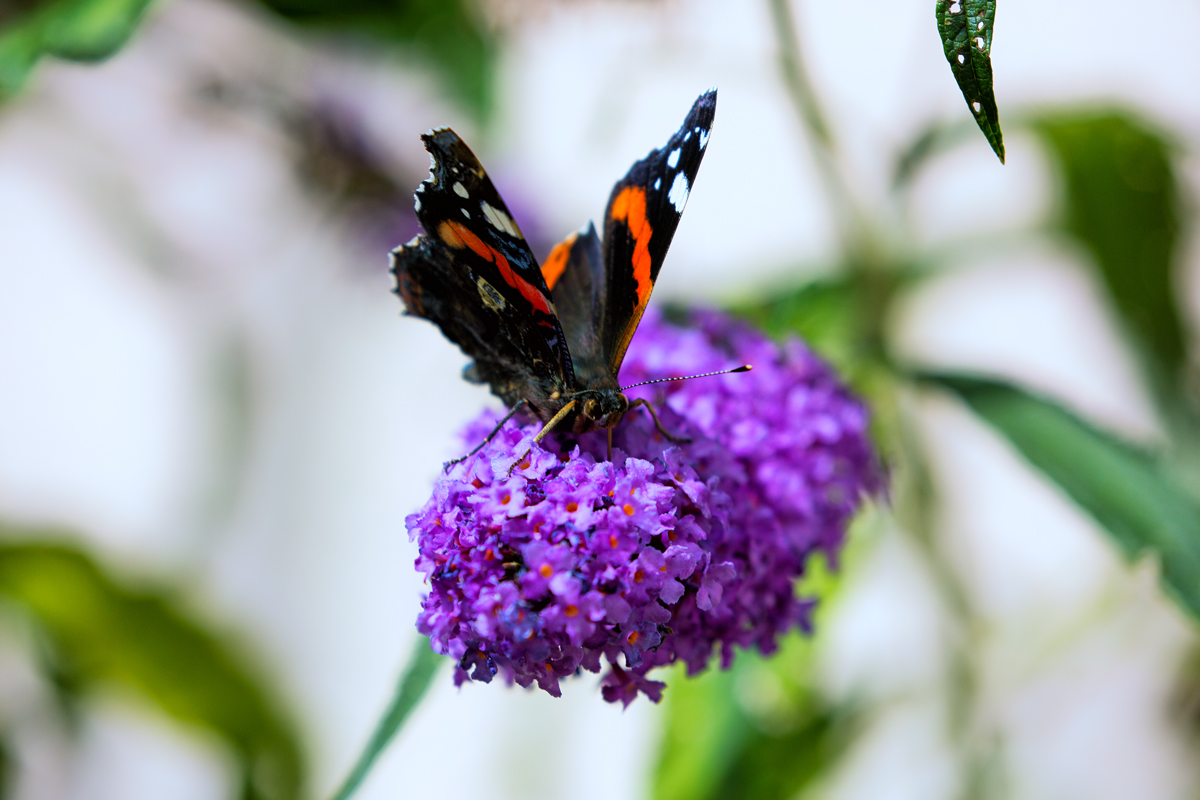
[
  {"x": 759, "y": 730},
  {"x": 103, "y": 632},
  {"x": 78, "y": 30},
  {"x": 1121, "y": 203},
  {"x": 1120, "y": 486},
  {"x": 449, "y": 33}
]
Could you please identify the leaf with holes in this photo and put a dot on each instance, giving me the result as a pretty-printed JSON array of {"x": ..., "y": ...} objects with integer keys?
[
  {"x": 1121, "y": 487},
  {"x": 965, "y": 27}
]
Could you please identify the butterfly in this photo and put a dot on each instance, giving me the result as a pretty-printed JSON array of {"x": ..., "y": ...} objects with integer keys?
[{"x": 551, "y": 338}]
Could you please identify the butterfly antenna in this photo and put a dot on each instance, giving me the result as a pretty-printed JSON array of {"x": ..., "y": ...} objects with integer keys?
[{"x": 742, "y": 368}]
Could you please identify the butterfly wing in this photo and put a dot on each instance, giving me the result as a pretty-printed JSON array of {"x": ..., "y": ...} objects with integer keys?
[
  {"x": 472, "y": 274},
  {"x": 642, "y": 215},
  {"x": 574, "y": 271}
]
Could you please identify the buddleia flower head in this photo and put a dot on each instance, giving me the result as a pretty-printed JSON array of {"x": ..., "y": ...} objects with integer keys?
[{"x": 546, "y": 559}]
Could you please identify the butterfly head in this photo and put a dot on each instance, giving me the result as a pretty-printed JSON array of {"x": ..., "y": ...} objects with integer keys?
[{"x": 604, "y": 407}]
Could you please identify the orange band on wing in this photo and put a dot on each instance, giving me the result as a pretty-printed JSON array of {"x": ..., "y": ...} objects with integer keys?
[
  {"x": 629, "y": 206},
  {"x": 458, "y": 236},
  {"x": 556, "y": 262}
]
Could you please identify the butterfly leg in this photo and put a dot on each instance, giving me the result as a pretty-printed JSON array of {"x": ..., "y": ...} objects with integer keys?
[
  {"x": 549, "y": 426},
  {"x": 670, "y": 437},
  {"x": 446, "y": 467}
]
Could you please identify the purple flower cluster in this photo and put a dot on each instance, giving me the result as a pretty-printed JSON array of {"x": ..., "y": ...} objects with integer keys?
[{"x": 541, "y": 559}]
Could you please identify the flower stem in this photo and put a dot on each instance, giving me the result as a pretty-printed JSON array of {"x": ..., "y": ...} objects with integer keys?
[
  {"x": 852, "y": 227},
  {"x": 414, "y": 683}
]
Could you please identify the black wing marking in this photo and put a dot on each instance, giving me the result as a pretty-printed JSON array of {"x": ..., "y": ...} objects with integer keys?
[{"x": 642, "y": 215}]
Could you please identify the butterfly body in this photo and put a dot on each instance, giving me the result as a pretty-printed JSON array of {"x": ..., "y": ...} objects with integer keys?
[{"x": 552, "y": 336}]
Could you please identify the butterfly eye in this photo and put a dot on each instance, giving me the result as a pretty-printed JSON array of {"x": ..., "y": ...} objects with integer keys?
[{"x": 591, "y": 409}]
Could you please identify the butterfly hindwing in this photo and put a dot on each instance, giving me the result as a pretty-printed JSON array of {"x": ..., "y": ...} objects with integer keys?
[
  {"x": 474, "y": 276},
  {"x": 642, "y": 215},
  {"x": 574, "y": 270}
]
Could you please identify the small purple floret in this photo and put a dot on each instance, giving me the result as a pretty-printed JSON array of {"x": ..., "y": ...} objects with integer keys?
[{"x": 667, "y": 552}]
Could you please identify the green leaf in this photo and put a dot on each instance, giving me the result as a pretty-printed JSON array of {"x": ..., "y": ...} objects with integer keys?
[
  {"x": 965, "y": 27},
  {"x": 1122, "y": 205},
  {"x": 448, "y": 33},
  {"x": 1120, "y": 486},
  {"x": 703, "y": 731},
  {"x": 105, "y": 632},
  {"x": 413, "y": 684},
  {"x": 79, "y": 30},
  {"x": 759, "y": 730}
]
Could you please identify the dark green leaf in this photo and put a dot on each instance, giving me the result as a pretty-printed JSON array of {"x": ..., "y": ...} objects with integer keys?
[
  {"x": 80, "y": 30},
  {"x": 6, "y": 771},
  {"x": 1122, "y": 205},
  {"x": 1122, "y": 487},
  {"x": 703, "y": 732},
  {"x": 105, "y": 632},
  {"x": 412, "y": 687},
  {"x": 446, "y": 32},
  {"x": 965, "y": 27},
  {"x": 758, "y": 731},
  {"x": 780, "y": 765}
]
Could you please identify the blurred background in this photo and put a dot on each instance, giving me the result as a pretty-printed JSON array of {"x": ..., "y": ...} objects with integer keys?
[{"x": 213, "y": 419}]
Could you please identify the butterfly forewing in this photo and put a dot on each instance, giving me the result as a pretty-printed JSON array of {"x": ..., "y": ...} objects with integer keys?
[
  {"x": 474, "y": 275},
  {"x": 642, "y": 215}
]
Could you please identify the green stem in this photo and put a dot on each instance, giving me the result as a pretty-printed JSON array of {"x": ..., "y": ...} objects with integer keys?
[
  {"x": 414, "y": 683},
  {"x": 852, "y": 227}
]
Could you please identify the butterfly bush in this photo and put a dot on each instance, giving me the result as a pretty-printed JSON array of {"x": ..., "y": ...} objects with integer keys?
[{"x": 543, "y": 559}]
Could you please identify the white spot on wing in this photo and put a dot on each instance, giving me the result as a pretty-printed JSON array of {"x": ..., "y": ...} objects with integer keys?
[
  {"x": 657, "y": 184},
  {"x": 491, "y": 298},
  {"x": 460, "y": 190},
  {"x": 687, "y": 136},
  {"x": 961, "y": 58},
  {"x": 979, "y": 42},
  {"x": 416, "y": 203},
  {"x": 673, "y": 159},
  {"x": 703, "y": 139},
  {"x": 500, "y": 221},
  {"x": 976, "y": 107},
  {"x": 955, "y": 8},
  {"x": 679, "y": 192},
  {"x": 466, "y": 213}
]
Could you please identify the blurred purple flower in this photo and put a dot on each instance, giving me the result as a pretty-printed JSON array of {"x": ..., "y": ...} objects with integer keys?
[{"x": 668, "y": 551}]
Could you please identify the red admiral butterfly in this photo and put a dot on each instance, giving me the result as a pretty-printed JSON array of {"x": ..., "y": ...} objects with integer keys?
[{"x": 551, "y": 338}]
